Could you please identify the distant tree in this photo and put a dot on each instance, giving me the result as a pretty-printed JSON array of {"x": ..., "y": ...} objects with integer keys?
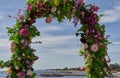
[{"x": 65, "y": 68}]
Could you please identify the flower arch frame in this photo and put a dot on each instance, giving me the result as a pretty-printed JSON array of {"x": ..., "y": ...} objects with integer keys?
[{"x": 92, "y": 36}]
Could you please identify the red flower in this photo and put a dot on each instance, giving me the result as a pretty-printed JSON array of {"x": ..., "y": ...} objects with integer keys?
[
  {"x": 83, "y": 68},
  {"x": 24, "y": 32}
]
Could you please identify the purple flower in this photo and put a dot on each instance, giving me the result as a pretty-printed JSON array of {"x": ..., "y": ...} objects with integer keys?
[
  {"x": 29, "y": 67},
  {"x": 74, "y": 9},
  {"x": 107, "y": 36},
  {"x": 18, "y": 14},
  {"x": 12, "y": 44},
  {"x": 91, "y": 20},
  {"x": 25, "y": 26},
  {"x": 21, "y": 74},
  {"x": 25, "y": 43},
  {"x": 108, "y": 61},
  {"x": 94, "y": 8},
  {"x": 98, "y": 35},
  {"x": 83, "y": 14},
  {"x": 19, "y": 17},
  {"x": 36, "y": 58},
  {"x": 78, "y": 2},
  {"x": 27, "y": 62},
  {"x": 33, "y": 50},
  {"x": 75, "y": 20}
]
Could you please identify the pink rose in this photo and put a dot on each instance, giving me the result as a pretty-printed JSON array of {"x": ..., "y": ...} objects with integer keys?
[
  {"x": 18, "y": 58},
  {"x": 48, "y": 19},
  {"x": 24, "y": 32},
  {"x": 17, "y": 68},
  {"x": 29, "y": 7},
  {"x": 53, "y": 9},
  {"x": 94, "y": 47}
]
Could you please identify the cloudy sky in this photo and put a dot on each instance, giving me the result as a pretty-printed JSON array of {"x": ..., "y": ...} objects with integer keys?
[{"x": 59, "y": 46}]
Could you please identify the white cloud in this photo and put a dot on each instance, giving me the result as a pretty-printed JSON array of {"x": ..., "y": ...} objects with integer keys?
[
  {"x": 51, "y": 28},
  {"x": 4, "y": 43},
  {"x": 66, "y": 51},
  {"x": 55, "y": 40},
  {"x": 63, "y": 45},
  {"x": 116, "y": 43},
  {"x": 5, "y": 53},
  {"x": 114, "y": 47},
  {"x": 112, "y": 15}
]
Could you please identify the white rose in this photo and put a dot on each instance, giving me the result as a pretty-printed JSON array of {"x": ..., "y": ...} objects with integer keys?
[
  {"x": 85, "y": 46},
  {"x": 29, "y": 72}
]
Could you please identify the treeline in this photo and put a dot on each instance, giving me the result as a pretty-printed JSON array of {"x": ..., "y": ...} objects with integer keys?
[{"x": 115, "y": 67}]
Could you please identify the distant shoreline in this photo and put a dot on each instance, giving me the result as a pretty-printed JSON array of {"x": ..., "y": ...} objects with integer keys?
[{"x": 71, "y": 72}]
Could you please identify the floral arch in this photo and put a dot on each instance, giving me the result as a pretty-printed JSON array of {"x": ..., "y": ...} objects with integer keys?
[{"x": 92, "y": 36}]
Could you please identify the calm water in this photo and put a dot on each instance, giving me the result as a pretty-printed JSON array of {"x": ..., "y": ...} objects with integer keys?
[{"x": 3, "y": 75}]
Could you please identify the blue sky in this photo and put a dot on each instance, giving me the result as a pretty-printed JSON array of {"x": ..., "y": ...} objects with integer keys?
[{"x": 59, "y": 44}]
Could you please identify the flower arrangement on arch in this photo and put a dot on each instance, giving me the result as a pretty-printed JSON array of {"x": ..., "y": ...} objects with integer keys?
[{"x": 92, "y": 36}]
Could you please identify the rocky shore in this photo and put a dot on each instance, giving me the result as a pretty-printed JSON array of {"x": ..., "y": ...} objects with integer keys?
[
  {"x": 71, "y": 72},
  {"x": 60, "y": 73}
]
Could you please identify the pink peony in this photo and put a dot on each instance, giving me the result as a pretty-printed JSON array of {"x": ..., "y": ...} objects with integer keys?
[
  {"x": 94, "y": 47},
  {"x": 24, "y": 32},
  {"x": 48, "y": 19}
]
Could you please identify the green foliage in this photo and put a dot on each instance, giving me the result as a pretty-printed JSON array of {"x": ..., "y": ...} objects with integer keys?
[{"x": 34, "y": 31}]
